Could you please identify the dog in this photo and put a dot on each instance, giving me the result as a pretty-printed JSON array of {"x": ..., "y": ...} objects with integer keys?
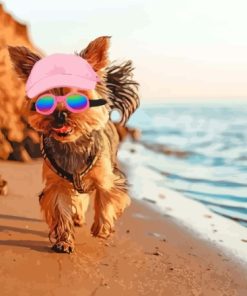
[{"x": 80, "y": 149}]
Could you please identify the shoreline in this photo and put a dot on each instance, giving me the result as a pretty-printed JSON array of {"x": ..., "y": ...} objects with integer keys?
[
  {"x": 149, "y": 254},
  {"x": 224, "y": 233}
]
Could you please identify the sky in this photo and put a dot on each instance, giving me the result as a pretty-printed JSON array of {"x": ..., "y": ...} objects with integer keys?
[{"x": 181, "y": 49}]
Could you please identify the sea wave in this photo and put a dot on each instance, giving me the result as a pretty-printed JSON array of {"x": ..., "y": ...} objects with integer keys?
[
  {"x": 203, "y": 213},
  {"x": 199, "y": 150}
]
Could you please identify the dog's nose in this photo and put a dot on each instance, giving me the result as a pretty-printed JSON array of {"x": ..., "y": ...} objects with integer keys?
[{"x": 60, "y": 117}]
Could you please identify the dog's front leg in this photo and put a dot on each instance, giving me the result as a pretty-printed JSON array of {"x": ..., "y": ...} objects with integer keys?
[
  {"x": 56, "y": 204},
  {"x": 111, "y": 198},
  {"x": 80, "y": 204}
]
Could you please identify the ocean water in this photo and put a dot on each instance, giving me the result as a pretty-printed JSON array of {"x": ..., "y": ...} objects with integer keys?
[{"x": 199, "y": 150}]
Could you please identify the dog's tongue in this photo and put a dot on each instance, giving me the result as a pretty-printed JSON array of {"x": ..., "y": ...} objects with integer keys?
[{"x": 62, "y": 129}]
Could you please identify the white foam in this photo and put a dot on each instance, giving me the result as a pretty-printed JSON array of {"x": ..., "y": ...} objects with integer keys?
[{"x": 223, "y": 232}]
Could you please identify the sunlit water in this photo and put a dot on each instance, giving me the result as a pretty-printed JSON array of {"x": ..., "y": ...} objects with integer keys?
[{"x": 214, "y": 168}]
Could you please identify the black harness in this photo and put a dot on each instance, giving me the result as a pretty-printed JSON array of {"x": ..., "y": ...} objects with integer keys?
[{"x": 75, "y": 179}]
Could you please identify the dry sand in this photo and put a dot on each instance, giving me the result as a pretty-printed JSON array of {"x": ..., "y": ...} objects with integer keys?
[{"x": 148, "y": 255}]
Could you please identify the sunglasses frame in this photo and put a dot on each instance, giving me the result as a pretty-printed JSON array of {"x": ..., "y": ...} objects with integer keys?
[{"x": 62, "y": 99}]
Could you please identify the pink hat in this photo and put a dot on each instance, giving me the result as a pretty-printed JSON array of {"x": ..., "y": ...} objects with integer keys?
[{"x": 60, "y": 70}]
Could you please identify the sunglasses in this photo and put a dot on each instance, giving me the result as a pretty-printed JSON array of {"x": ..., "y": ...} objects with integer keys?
[{"x": 74, "y": 102}]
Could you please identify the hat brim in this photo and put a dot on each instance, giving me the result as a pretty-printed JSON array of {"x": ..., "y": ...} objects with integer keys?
[{"x": 60, "y": 80}]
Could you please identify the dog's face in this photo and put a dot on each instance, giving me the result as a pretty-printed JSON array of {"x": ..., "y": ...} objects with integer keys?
[{"x": 62, "y": 124}]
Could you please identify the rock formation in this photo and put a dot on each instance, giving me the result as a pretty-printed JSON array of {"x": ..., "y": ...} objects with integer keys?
[{"x": 17, "y": 140}]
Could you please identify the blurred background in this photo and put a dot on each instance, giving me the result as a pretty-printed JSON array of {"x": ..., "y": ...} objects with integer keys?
[{"x": 190, "y": 59}]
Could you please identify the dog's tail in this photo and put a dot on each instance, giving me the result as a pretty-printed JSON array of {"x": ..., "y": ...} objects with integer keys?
[{"x": 123, "y": 90}]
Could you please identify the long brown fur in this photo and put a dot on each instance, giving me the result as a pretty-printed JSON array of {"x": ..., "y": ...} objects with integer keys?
[
  {"x": 123, "y": 88},
  {"x": 93, "y": 134}
]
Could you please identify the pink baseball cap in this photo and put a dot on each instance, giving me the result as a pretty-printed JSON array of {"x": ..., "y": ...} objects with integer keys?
[{"x": 60, "y": 70}]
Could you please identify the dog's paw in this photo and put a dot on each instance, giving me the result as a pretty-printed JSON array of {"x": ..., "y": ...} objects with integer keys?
[
  {"x": 101, "y": 230},
  {"x": 78, "y": 221},
  {"x": 63, "y": 247}
]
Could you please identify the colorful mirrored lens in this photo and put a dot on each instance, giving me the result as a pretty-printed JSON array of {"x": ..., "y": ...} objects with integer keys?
[
  {"x": 77, "y": 102},
  {"x": 44, "y": 104}
]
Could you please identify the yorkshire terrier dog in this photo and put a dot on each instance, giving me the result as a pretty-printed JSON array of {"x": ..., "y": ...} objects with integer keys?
[{"x": 69, "y": 102}]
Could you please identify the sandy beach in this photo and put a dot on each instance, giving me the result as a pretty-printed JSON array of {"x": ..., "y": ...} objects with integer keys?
[{"x": 150, "y": 254}]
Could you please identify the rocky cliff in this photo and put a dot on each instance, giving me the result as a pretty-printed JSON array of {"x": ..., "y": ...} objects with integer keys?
[{"x": 17, "y": 140}]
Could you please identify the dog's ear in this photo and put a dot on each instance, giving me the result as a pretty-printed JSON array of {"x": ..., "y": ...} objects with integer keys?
[
  {"x": 23, "y": 60},
  {"x": 96, "y": 53}
]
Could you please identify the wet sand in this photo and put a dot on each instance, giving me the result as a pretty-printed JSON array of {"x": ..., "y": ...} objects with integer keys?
[{"x": 149, "y": 254}]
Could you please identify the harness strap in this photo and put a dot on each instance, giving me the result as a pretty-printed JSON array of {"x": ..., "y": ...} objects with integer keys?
[{"x": 75, "y": 179}]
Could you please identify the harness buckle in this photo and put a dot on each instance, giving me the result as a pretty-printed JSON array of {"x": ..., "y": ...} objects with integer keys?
[{"x": 77, "y": 183}]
